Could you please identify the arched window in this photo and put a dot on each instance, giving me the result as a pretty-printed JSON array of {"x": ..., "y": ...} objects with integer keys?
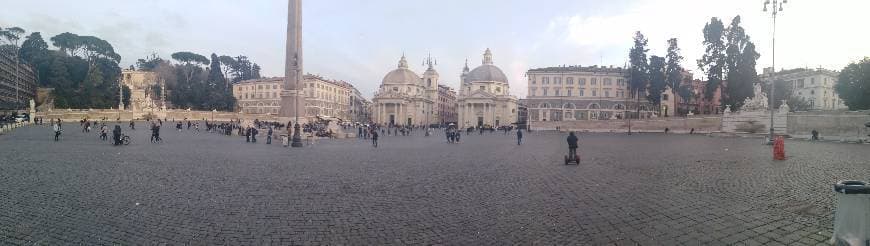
[
  {"x": 545, "y": 105},
  {"x": 429, "y": 82},
  {"x": 569, "y": 106},
  {"x": 619, "y": 107},
  {"x": 594, "y": 106}
]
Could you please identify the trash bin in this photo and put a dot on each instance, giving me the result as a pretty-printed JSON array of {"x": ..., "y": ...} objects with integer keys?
[
  {"x": 285, "y": 140},
  {"x": 852, "y": 217}
]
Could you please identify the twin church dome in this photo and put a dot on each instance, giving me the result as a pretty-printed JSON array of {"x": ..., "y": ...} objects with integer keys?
[{"x": 485, "y": 72}]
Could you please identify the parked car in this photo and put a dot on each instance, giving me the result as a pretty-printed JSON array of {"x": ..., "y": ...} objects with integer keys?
[{"x": 22, "y": 118}]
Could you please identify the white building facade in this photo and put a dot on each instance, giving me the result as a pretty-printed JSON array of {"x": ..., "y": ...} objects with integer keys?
[
  {"x": 816, "y": 86},
  {"x": 484, "y": 98}
]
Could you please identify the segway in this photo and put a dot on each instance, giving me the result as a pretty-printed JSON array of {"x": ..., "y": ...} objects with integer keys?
[{"x": 572, "y": 159}]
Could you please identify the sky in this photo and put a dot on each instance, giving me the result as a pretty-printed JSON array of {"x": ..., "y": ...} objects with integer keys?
[{"x": 361, "y": 41}]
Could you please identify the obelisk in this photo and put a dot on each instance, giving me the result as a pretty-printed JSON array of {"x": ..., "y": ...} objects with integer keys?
[{"x": 292, "y": 97}]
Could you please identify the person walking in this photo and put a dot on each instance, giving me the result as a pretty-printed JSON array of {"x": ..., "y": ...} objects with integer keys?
[
  {"x": 375, "y": 138},
  {"x": 247, "y": 134},
  {"x": 104, "y": 131},
  {"x": 519, "y": 136},
  {"x": 269, "y": 136},
  {"x": 132, "y": 125},
  {"x": 116, "y": 135},
  {"x": 155, "y": 133},
  {"x": 254, "y": 133},
  {"x": 57, "y": 129}
]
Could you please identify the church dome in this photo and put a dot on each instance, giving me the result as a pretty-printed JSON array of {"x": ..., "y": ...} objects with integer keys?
[
  {"x": 401, "y": 75},
  {"x": 486, "y": 71}
]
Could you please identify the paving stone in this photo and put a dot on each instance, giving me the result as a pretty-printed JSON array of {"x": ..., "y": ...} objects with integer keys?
[{"x": 203, "y": 188}]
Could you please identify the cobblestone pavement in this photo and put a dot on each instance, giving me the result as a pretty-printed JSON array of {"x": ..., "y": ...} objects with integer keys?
[{"x": 204, "y": 189}]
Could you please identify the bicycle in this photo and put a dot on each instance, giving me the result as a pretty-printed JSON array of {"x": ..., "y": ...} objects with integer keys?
[{"x": 125, "y": 140}]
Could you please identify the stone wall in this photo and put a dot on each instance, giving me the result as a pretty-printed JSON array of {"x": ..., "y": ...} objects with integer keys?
[
  {"x": 701, "y": 124},
  {"x": 742, "y": 122},
  {"x": 76, "y": 115},
  {"x": 832, "y": 125}
]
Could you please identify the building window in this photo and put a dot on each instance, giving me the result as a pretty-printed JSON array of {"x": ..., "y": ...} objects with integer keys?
[
  {"x": 570, "y": 80},
  {"x": 580, "y": 92},
  {"x": 581, "y": 81},
  {"x": 532, "y": 91},
  {"x": 812, "y": 81},
  {"x": 429, "y": 82},
  {"x": 569, "y": 92},
  {"x": 606, "y": 81},
  {"x": 557, "y": 92},
  {"x": 665, "y": 97},
  {"x": 558, "y": 80},
  {"x": 545, "y": 91},
  {"x": 594, "y": 81},
  {"x": 594, "y": 92},
  {"x": 812, "y": 92},
  {"x": 531, "y": 81},
  {"x": 606, "y": 93},
  {"x": 482, "y": 87},
  {"x": 801, "y": 83},
  {"x": 546, "y": 80}
]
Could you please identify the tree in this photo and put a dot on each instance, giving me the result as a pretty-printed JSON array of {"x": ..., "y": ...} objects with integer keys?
[
  {"x": 33, "y": 48},
  {"x": 67, "y": 43},
  {"x": 126, "y": 91},
  {"x": 255, "y": 71},
  {"x": 190, "y": 58},
  {"x": 227, "y": 64},
  {"x": 215, "y": 76},
  {"x": 713, "y": 60},
  {"x": 149, "y": 63},
  {"x": 853, "y": 85},
  {"x": 639, "y": 65},
  {"x": 740, "y": 59},
  {"x": 673, "y": 70},
  {"x": 12, "y": 34},
  {"x": 657, "y": 80},
  {"x": 191, "y": 62}
]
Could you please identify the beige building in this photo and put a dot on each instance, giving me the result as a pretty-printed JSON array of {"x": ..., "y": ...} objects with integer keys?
[
  {"x": 405, "y": 98},
  {"x": 327, "y": 98},
  {"x": 142, "y": 94},
  {"x": 258, "y": 96},
  {"x": 446, "y": 105},
  {"x": 484, "y": 96},
  {"x": 570, "y": 93},
  {"x": 816, "y": 86},
  {"x": 359, "y": 111},
  {"x": 323, "y": 97},
  {"x": 16, "y": 94}
]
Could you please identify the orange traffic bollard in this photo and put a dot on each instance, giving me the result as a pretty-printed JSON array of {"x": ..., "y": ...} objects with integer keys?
[{"x": 779, "y": 149}]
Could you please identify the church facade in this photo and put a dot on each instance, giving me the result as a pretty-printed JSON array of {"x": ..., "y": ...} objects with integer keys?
[
  {"x": 484, "y": 96},
  {"x": 405, "y": 98}
]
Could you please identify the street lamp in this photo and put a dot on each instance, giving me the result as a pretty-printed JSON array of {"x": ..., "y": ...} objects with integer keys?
[{"x": 776, "y": 8}]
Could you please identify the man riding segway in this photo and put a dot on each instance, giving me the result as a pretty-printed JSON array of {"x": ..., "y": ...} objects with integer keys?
[{"x": 572, "y": 150}]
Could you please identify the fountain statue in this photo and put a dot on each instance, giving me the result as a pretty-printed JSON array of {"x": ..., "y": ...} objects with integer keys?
[{"x": 756, "y": 103}]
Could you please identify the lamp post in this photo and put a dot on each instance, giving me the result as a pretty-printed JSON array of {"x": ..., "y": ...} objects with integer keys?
[{"x": 777, "y": 7}]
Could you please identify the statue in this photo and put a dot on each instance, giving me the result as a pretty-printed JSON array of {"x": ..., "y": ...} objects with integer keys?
[
  {"x": 756, "y": 103},
  {"x": 784, "y": 108}
]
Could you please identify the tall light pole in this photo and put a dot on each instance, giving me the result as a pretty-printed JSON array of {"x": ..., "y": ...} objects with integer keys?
[{"x": 777, "y": 7}]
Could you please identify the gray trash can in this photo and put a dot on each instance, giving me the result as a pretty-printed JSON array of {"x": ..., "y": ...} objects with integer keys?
[{"x": 852, "y": 217}]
